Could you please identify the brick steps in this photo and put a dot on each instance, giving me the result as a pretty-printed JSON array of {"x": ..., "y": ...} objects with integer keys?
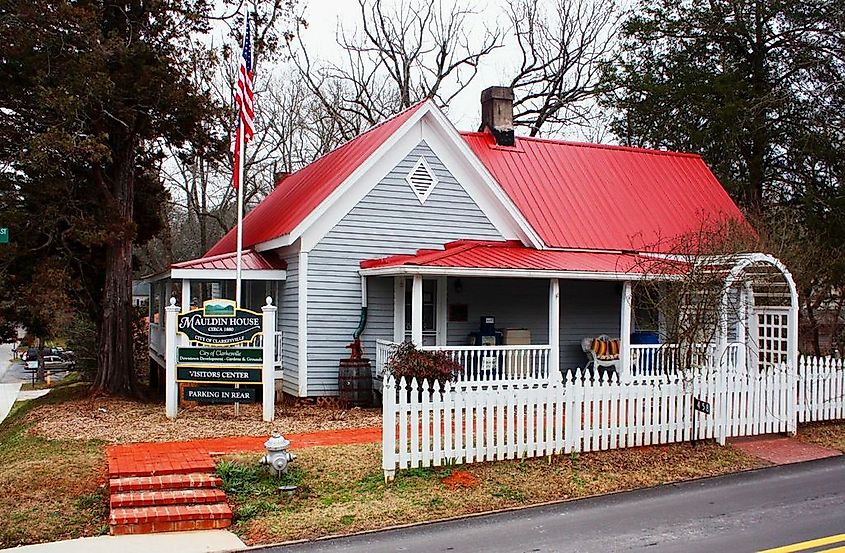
[
  {"x": 167, "y": 503},
  {"x": 166, "y": 482},
  {"x": 184, "y": 496},
  {"x": 169, "y": 518}
]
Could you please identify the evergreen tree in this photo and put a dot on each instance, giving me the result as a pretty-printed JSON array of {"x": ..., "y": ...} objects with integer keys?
[{"x": 90, "y": 90}]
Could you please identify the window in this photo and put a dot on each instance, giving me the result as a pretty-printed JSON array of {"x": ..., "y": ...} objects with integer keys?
[
  {"x": 429, "y": 310},
  {"x": 422, "y": 180}
]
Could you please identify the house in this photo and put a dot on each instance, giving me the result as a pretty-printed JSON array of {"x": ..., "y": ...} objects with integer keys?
[
  {"x": 416, "y": 231},
  {"x": 140, "y": 293}
]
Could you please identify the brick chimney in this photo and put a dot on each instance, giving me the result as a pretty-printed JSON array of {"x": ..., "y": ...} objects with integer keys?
[
  {"x": 497, "y": 114},
  {"x": 279, "y": 176}
]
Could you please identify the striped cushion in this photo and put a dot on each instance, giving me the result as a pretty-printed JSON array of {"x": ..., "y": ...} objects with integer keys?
[
  {"x": 606, "y": 350},
  {"x": 613, "y": 348}
]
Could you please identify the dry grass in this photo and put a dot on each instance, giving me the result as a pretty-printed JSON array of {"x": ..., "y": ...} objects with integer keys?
[
  {"x": 342, "y": 490},
  {"x": 827, "y": 434},
  {"x": 116, "y": 420},
  {"x": 49, "y": 489}
]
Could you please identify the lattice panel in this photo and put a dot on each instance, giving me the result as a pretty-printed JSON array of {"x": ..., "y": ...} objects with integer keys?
[{"x": 772, "y": 328}]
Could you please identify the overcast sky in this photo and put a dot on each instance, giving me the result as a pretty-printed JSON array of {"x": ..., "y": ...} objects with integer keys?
[{"x": 323, "y": 17}]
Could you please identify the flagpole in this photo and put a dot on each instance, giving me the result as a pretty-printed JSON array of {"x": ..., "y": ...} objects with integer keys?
[{"x": 241, "y": 183}]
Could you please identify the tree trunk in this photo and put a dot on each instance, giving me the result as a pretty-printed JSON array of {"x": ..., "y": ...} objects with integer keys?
[{"x": 116, "y": 363}]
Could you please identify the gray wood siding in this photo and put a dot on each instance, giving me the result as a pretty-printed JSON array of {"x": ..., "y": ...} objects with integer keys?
[
  {"x": 389, "y": 220},
  {"x": 287, "y": 323},
  {"x": 587, "y": 308},
  {"x": 516, "y": 303}
]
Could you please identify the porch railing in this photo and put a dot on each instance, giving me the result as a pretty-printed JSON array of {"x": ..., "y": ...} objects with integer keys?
[
  {"x": 483, "y": 363},
  {"x": 384, "y": 349},
  {"x": 660, "y": 361},
  {"x": 157, "y": 338}
]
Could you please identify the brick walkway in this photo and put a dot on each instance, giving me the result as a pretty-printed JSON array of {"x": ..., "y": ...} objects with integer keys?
[
  {"x": 782, "y": 450},
  {"x": 158, "y": 458},
  {"x": 170, "y": 486}
]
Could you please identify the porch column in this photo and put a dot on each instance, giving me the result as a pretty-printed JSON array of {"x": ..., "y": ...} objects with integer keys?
[
  {"x": 416, "y": 310},
  {"x": 186, "y": 294},
  {"x": 554, "y": 327},
  {"x": 625, "y": 333},
  {"x": 398, "y": 309}
]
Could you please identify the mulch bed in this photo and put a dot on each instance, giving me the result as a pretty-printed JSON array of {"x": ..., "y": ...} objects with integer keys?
[{"x": 115, "y": 420}]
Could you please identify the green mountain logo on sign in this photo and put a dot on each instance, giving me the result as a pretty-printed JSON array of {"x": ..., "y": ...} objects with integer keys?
[
  {"x": 218, "y": 308},
  {"x": 220, "y": 326}
]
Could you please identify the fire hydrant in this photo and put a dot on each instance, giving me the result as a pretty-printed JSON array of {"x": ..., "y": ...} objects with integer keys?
[{"x": 278, "y": 456}]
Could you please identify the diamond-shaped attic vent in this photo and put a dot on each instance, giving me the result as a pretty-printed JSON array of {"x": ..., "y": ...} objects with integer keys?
[{"x": 422, "y": 180}]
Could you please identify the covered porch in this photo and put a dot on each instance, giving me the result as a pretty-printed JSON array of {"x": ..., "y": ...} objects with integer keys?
[
  {"x": 195, "y": 281},
  {"x": 503, "y": 316}
]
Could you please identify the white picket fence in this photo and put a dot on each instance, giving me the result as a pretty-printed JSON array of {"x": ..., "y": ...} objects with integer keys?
[
  {"x": 821, "y": 389},
  {"x": 429, "y": 424}
]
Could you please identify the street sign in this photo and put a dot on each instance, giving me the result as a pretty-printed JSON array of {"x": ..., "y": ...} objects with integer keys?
[
  {"x": 219, "y": 375},
  {"x": 219, "y": 323},
  {"x": 229, "y": 357},
  {"x": 4, "y": 235},
  {"x": 701, "y": 405},
  {"x": 212, "y": 394}
]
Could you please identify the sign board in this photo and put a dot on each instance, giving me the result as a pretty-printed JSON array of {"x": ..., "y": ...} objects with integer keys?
[
  {"x": 4, "y": 235},
  {"x": 212, "y": 394},
  {"x": 229, "y": 357},
  {"x": 220, "y": 375},
  {"x": 220, "y": 323},
  {"x": 701, "y": 405}
]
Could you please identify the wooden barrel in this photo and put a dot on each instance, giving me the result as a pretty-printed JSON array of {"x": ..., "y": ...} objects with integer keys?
[{"x": 355, "y": 382}]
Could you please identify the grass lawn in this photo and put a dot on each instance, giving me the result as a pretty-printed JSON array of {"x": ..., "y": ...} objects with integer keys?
[
  {"x": 828, "y": 434},
  {"x": 49, "y": 489},
  {"x": 342, "y": 489}
]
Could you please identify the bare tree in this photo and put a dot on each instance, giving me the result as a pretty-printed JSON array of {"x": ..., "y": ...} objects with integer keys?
[
  {"x": 395, "y": 57},
  {"x": 563, "y": 44},
  {"x": 682, "y": 298}
]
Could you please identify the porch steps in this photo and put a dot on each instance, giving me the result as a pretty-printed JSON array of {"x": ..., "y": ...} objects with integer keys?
[
  {"x": 168, "y": 503},
  {"x": 184, "y": 496}
]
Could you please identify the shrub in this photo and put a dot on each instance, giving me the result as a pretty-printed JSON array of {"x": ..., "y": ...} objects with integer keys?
[{"x": 409, "y": 362}]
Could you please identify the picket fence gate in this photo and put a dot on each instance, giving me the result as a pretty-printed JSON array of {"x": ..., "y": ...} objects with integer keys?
[{"x": 432, "y": 424}]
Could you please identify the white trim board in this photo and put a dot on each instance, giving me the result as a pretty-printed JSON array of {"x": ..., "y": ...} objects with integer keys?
[
  {"x": 427, "y": 124},
  {"x": 408, "y": 270},
  {"x": 302, "y": 324},
  {"x": 228, "y": 274}
]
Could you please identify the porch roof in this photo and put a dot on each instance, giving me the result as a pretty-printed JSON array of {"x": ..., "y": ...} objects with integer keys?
[
  {"x": 254, "y": 265},
  {"x": 511, "y": 258}
]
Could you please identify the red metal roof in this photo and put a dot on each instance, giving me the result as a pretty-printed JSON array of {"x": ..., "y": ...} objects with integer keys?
[
  {"x": 250, "y": 260},
  {"x": 511, "y": 255},
  {"x": 595, "y": 196},
  {"x": 574, "y": 195},
  {"x": 297, "y": 195}
]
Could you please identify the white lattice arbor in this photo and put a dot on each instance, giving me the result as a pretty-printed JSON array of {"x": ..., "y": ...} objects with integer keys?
[{"x": 760, "y": 292}]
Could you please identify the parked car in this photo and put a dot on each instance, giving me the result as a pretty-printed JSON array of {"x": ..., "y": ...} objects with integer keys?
[{"x": 51, "y": 363}]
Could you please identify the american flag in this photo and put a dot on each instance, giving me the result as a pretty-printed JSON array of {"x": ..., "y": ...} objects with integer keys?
[{"x": 243, "y": 101}]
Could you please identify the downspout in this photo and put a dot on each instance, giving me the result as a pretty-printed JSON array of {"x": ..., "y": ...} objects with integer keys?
[{"x": 362, "y": 320}]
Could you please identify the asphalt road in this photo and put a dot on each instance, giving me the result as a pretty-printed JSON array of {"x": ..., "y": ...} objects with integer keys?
[{"x": 731, "y": 514}]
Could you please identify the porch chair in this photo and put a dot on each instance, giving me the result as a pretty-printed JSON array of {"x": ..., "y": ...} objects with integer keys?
[{"x": 602, "y": 351}]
